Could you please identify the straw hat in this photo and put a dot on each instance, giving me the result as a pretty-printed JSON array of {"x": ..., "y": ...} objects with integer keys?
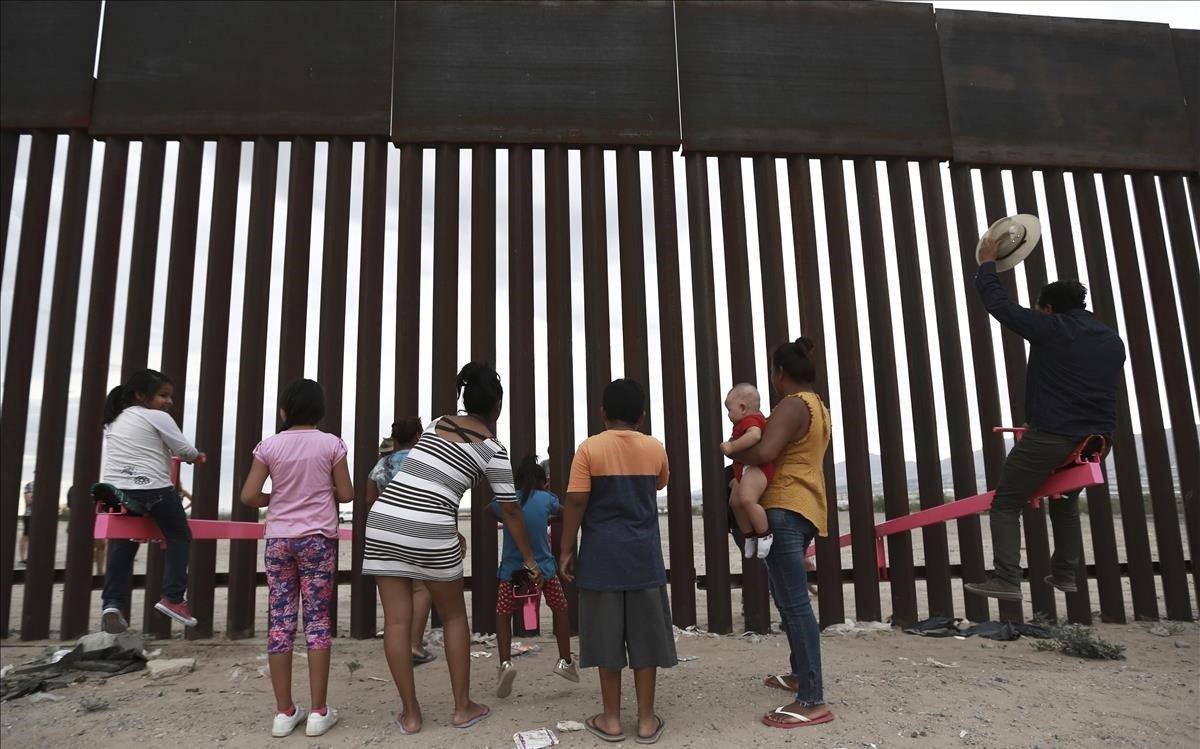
[{"x": 1016, "y": 237}]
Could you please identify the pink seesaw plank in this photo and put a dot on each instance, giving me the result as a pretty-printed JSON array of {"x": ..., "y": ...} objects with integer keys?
[
  {"x": 130, "y": 526},
  {"x": 1061, "y": 482}
]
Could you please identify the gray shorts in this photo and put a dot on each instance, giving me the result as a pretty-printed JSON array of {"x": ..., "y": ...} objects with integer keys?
[{"x": 619, "y": 628}]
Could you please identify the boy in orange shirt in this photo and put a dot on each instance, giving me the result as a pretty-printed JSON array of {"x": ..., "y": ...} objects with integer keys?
[{"x": 612, "y": 494}]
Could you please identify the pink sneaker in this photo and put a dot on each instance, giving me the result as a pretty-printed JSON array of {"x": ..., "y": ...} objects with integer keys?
[{"x": 180, "y": 612}]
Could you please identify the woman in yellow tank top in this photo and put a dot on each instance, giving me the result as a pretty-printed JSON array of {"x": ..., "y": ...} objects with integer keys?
[{"x": 795, "y": 440}]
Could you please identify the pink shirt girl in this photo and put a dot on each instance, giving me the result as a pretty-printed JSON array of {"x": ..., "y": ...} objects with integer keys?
[{"x": 303, "y": 501}]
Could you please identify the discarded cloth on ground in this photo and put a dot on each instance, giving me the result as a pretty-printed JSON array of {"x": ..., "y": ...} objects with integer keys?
[
  {"x": 945, "y": 626},
  {"x": 98, "y": 652}
]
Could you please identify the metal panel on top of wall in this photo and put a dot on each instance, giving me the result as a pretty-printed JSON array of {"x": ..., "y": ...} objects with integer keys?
[
  {"x": 1064, "y": 92},
  {"x": 229, "y": 68},
  {"x": 846, "y": 79},
  {"x": 536, "y": 72},
  {"x": 49, "y": 55},
  {"x": 1187, "y": 57}
]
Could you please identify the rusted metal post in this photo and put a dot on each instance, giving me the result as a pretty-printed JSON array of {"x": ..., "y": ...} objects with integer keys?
[
  {"x": 14, "y": 414},
  {"x": 708, "y": 394},
  {"x": 243, "y": 555},
  {"x": 670, "y": 325},
  {"x": 39, "y": 571}
]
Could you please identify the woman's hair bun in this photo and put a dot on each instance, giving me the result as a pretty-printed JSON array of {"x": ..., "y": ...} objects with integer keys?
[{"x": 479, "y": 387}]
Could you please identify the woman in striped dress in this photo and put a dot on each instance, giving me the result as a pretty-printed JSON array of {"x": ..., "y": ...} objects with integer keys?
[{"x": 412, "y": 534}]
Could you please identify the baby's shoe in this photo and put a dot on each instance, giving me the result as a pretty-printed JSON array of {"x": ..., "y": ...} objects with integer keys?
[{"x": 763, "y": 548}]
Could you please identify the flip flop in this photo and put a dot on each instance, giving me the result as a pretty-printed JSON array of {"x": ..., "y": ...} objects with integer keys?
[
  {"x": 654, "y": 737},
  {"x": 404, "y": 731},
  {"x": 487, "y": 711},
  {"x": 423, "y": 658},
  {"x": 603, "y": 735},
  {"x": 801, "y": 721},
  {"x": 775, "y": 681}
]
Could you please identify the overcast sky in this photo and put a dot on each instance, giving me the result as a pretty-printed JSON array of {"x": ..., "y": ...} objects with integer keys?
[{"x": 1178, "y": 14}]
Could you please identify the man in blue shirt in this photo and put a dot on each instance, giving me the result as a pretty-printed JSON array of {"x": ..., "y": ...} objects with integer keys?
[{"x": 1071, "y": 386}]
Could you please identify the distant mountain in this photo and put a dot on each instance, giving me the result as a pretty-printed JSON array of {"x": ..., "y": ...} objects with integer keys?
[{"x": 948, "y": 476}]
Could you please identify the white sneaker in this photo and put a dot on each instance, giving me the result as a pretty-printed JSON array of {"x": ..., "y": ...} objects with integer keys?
[
  {"x": 506, "y": 674},
  {"x": 318, "y": 724},
  {"x": 764, "y": 546},
  {"x": 749, "y": 547},
  {"x": 567, "y": 669},
  {"x": 284, "y": 724}
]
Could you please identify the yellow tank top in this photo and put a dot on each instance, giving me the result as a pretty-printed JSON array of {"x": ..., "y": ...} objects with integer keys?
[{"x": 799, "y": 483}]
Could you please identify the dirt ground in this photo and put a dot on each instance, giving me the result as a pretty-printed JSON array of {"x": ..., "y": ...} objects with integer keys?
[{"x": 882, "y": 686}]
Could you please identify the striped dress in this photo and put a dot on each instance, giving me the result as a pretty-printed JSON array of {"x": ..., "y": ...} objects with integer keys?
[{"x": 412, "y": 529}]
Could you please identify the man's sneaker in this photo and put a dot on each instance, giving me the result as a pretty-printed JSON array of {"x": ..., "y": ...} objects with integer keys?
[
  {"x": 113, "y": 622},
  {"x": 994, "y": 587},
  {"x": 506, "y": 674},
  {"x": 567, "y": 669},
  {"x": 284, "y": 724},
  {"x": 1065, "y": 584},
  {"x": 180, "y": 612},
  {"x": 318, "y": 724}
]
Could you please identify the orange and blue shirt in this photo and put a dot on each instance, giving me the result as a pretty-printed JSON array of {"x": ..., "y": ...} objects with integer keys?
[{"x": 622, "y": 471}]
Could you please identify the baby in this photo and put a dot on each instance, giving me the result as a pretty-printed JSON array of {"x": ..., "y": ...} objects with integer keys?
[{"x": 749, "y": 482}]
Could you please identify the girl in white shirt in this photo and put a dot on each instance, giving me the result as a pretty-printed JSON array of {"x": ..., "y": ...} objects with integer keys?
[{"x": 140, "y": 438}]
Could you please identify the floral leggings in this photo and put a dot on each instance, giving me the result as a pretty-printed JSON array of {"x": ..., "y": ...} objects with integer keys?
[{"x": 299, "y": 568}]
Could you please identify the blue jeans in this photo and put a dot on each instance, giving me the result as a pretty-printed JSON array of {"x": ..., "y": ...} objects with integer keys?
[
  {"x": 166, "y": 509},
  {"x": 789, "y": 586}
]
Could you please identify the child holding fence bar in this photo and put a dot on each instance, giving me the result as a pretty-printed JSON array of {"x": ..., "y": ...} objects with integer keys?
[
  {"x": 309, "y": 476},
  {"x": 537, "y": 505},
  {"x": 140, "y": 438}
]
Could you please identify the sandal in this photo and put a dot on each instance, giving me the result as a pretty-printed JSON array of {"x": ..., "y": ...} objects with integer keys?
[
  {"x": 654, "y": 737},
  {"x": 487, "y": 711},
  {"x": 776, "y": 681},
  {"x": 600, "y": 733},
  {"x": 423, "y": 658},
  {"x": 404, "y": 731},
  {"x": 771, "y": 721}
]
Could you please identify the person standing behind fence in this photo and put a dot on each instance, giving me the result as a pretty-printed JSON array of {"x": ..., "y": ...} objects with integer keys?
[
  {"x": 1071, "y": 386},
  {"x": 412, "y": 534},
  {"x": 140, "y": 438},
  {"x": 795, "y": 440},
  {"x": 309, "y": 477},
  {"x": 26, "y": 518},
  {"x": 405, "y": 433}
]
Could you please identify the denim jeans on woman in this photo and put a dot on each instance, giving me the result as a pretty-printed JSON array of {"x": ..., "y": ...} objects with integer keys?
[
  {"x": 789, "y": 586},
  {"x": 166, "y": 509}
]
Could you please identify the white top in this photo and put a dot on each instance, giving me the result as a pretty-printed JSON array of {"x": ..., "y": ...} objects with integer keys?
[{"x": 138, "y": 446}]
